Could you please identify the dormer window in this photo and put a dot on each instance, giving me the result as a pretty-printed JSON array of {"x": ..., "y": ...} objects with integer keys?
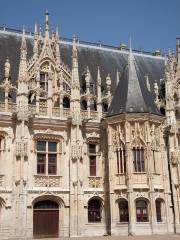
[{"x": 44, "y": 81}]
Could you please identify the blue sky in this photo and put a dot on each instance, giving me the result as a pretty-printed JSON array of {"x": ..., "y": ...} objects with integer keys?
[{"x": 152, "y": 24}]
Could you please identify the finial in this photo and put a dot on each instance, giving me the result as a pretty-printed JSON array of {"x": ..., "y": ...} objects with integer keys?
[
  {"x": 47, "y": 20},
  {"x": 23, "y": 43},
  {"x": 108, "y": 80},
  {"x": 57, "y": 32},
  {"x": 98, "y": 76},
  {"x": 130, "y": 45},
  {"x": 23, "y": 30},
  {"x": 74, "y": 46},
  {"x": 35, "y": 28},
  {"x": 7, "y": 68}
]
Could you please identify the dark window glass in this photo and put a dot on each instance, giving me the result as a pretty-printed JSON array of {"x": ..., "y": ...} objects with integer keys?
[
  {"x": 123, "y": 211},
  {"x": 121, "y": 161},
  {"x": 66, "y": 102},
  {"x": 41, "y": 146},
  {"x": 52, "y": 146},
  {"x": 46, "y": 205},
  {"x": 52, "y": 163},
  {"x": 41, "y": 163},
  {"x": 138, "y": 160},
  {"x": 158, "y": 211},
  {"x": 94, "y": 211},
  {"x": 92, "y": 164},
  {"x": 92, "y": 149},
  {"x": 141, "y": 211}
]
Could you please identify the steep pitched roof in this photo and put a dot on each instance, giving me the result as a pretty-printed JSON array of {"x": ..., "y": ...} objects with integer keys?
[
  {"x": 109, "y": 60},
  {"x": 132, "y": 93}
]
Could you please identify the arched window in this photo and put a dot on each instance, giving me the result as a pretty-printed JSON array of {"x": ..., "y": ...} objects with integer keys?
[
  {"x": 123, "y": 211},
  {"x": 141, "y": 211},
  {"x": 138, "y": 159},
  {"x": 94, "y": 210},
  {"x": 66, "y": 102},
  {"x": 159, "y": 210}
]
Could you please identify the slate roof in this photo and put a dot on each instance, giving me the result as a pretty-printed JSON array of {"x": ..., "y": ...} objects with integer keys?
[
  {"x": 109, "y": 61},
  {"x": 132, "y": 93}
]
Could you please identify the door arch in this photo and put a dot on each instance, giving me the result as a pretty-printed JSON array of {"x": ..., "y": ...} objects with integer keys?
[{"x": 46, "y": 219}]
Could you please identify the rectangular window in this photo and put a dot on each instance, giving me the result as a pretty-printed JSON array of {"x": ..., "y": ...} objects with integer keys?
[
  {"x": 121, "y": 161},
  {"x": 46, "y": 157},
  {"x": 92, "y": 159},
  {"x": 138, "y": 160}
]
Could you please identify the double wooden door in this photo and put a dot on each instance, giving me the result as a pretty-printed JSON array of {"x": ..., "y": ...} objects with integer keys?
[{"x": 46, "y": 223}]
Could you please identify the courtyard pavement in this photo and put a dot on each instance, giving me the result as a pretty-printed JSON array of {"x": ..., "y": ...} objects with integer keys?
[{"x": 149, "y": 237}]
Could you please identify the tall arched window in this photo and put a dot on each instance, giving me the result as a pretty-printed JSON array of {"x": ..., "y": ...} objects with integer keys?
[
  {"x": 141, "y": 211},
  {"x": 159, "y": 210},
  {"x": 94, "y": 210},
  {"x": 121, "y": 160},
  {"x": 138, "y": 159},
  {"x": 123, "y": 211}
]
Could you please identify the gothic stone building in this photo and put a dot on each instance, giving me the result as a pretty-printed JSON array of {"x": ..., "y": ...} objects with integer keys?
[{"x": 89, "y": 138}]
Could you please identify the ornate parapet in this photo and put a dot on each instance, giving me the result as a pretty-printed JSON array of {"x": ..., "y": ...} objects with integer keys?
[
  {"x": 95, "y": 182},
  {"x": 47, "y": 181}
]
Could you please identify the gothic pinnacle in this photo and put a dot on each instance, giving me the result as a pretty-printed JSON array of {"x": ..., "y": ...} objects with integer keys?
[{"x": 47, "y": 23}]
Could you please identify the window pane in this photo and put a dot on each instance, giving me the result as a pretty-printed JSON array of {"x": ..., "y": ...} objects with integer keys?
[
  {"x": 123, "y": 211},
  {"x": 92, "y": 149},
  {"x": 41, "y": 163},
  {"x": 52, "y": 166},
  {"x": 158, "y": 211},
  {"x": 94, "y": 211},
  {"x": 52, "y": 146},
  {"x": 41, "y": 146},
  {"x": 92, "y": 165}
]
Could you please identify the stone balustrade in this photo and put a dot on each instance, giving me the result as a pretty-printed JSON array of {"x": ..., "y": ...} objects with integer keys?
[
  {"x": 43, "y": 111},
  {"x": 47, "y": 181},
  {"x": 95, "y": 182}
]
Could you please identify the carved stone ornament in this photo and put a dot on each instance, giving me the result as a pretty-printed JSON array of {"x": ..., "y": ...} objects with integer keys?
[
  {"x": 175, "y": 157},
  {"x": 76, "y": 152}
]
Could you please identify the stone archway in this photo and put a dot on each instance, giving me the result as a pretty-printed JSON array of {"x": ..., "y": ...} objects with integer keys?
[{"x": 46, "y": 219}]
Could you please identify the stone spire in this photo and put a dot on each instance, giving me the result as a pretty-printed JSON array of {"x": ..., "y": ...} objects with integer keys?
[
  {"x": 35, "y": 47},
  {"x": 99, "y": 97},
  {"x": 46, "y": 24},
  {"x": 57, "y": 46},
  {"x": 23, "y": 60},
  {"x": 178, "y": 52},
  {"x": 75, "y": 90}
]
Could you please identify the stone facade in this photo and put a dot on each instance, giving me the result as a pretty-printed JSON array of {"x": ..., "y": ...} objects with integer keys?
[{"x": 51, "y": 150}]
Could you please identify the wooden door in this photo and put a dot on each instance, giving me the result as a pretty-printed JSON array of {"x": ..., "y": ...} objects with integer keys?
[{"x": 46, "y": 223}]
